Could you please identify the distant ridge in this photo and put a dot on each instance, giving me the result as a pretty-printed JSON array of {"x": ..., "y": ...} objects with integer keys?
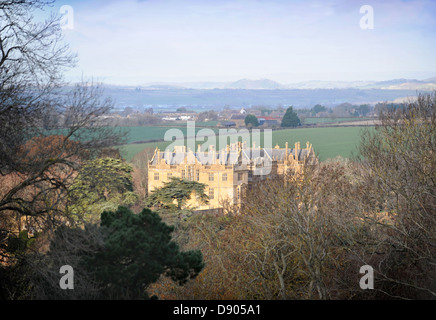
[
  {"x": 264, "y": 84},
  {"x": 268, "y": 84},
  {"x": 393, "y": 84},
  {"x": 431, "y": 80},
  {"x": 161, "y": 87},
  {"x": 320, "y": 84}
]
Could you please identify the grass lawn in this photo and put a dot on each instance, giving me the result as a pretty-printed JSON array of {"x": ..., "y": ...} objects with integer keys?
[{"x": 327, "y": 142}]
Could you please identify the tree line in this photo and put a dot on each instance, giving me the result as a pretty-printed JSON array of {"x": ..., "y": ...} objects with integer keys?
[
  {"x": 68, "y": 198},
  {"x": 64, "y": 189},
  {"x": 307, "y": 234}
]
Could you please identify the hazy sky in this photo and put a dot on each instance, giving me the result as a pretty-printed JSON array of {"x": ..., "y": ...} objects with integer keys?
[{"x": 137, "y": 42}]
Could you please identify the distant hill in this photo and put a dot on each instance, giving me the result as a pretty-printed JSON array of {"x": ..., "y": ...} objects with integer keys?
[
  {"x": 205, "y": 99},
  {"x": 319, "y": 84},
  {"x": 268, "y": 84},
  {"x": 246, "y": 93},
  {"x": 397, "y": 82},
  {"x": 160, "y": 87},
  {"x": 262, "y": 84},
  {"x": 411, "y": 86},
  {"x": 430, "y": 80},
  {"x": 393, "y": 84},
  {"x": 405, "y": 84}
]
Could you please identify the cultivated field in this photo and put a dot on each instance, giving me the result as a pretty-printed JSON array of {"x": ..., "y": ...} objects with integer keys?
[
  {"x": 328, "y": 142},
  {"x": 153, "y": 133},
  {"x": 331, "y": 120}
]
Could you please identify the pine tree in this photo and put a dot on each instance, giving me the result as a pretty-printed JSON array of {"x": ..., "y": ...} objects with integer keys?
[
  {"x": 251, "y": 119},
  {"x": 177, "y": 189},
  {"x": 137, "y": 249},
  {"x": 290, "y": 119}
]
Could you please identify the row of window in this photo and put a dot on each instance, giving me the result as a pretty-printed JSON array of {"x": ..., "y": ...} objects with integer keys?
[
  {"x": 211, "y": 190},
  {"x": 197, "y": 175},
  {"x": 212, "y": 193}
]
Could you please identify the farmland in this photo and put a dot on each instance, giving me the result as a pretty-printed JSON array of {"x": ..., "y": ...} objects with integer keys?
[
  {"x": 327, "y": 142},
  {"x": 154, "y": 133},
  {"x": 331, "y": 120}
]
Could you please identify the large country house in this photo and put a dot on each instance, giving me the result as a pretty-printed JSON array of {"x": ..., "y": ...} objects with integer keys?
[{"x": 226, "y": 171}]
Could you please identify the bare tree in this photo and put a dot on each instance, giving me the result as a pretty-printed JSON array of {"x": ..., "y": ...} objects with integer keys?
[
  {"x": 33, "y": 58},
  {"x": 308, "y": 225},
  {"x": 399, "y": 161},
  {"x": 47, "y": 128},
  {"x": 68, "y": 247}
]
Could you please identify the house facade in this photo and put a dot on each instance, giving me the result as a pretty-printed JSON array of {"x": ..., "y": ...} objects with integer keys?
[{"x": 225, "y": 172}]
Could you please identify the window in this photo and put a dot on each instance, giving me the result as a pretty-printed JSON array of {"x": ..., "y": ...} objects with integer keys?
[
  {"x": 240, "y": 176},
  {"x": 183, "y": 174},
  {"x": 197, "y": 174},
  {"x": 211, "y": 193},
  {"x": 224, "y": 176},
  {"x": 156, "y": 176},
  {"x": 169, "y": 175},
  {"x": 211, "y": 176}
]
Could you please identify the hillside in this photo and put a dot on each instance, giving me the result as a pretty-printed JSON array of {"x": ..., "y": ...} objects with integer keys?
[
  {"x": 262, "y": 84},
  {"x": 199, "y": 99}
]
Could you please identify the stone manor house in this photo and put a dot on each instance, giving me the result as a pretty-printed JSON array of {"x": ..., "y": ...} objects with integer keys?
[{"x": 226, "y": 171}]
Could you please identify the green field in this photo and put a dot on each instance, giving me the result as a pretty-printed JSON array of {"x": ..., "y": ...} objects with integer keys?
[
  {"x": 331, "y": 120},
  {"x": 327, "y": 142},
  {"x": 145, "y": 134}
]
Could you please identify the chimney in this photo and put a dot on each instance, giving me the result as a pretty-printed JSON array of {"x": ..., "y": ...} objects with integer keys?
[
  {"x": 168, "y": 156},
  {"x": 212, "y": 149},
  {"x": 297, "y": 146}
]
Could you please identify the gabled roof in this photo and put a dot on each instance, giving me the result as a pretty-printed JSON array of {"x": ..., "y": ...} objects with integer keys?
[
  {"x": 205, "y": 158},
  {"x": 273, "y": 153},
  {"x": 227, "y": 157}
]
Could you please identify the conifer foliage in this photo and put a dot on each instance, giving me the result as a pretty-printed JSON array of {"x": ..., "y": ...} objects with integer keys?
[
  {"x": 137, "y": 250},
  {"x": 290, "y": 119}
]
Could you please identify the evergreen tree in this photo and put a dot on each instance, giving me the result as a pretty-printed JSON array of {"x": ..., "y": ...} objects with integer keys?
[
  {"x": 137, "y": 250},
  {"x": 177, "y": 189},
  {"x": 290, "y": 119},
  {"x": 251, "y": 119},
  {"x": 318, "y": 108},
  {"x": 102, "y": 184}
]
